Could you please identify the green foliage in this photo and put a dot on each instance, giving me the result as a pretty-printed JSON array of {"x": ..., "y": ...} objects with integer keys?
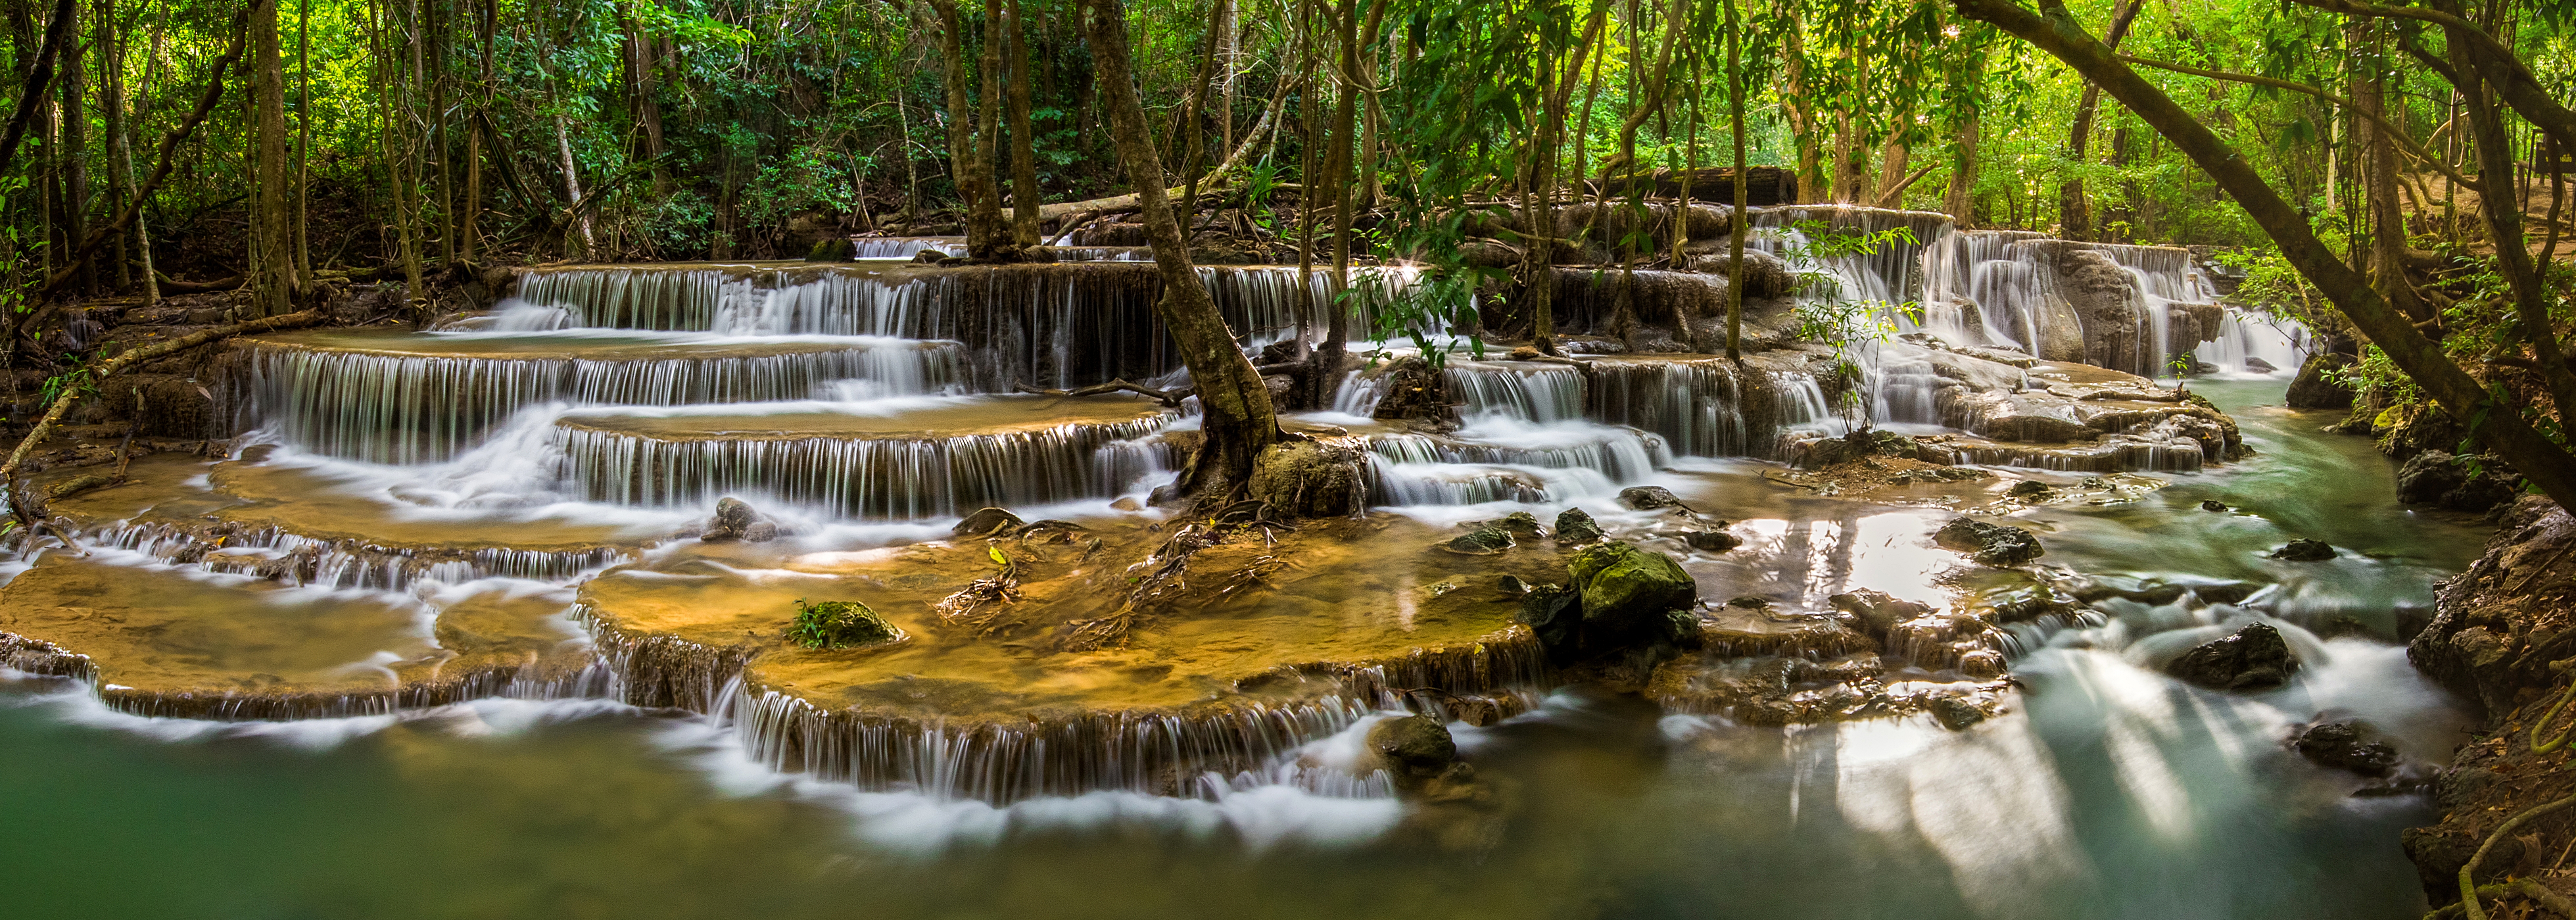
[{"x": 839, "y": 624}]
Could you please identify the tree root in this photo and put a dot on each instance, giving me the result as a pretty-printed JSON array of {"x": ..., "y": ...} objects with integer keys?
[{"x": 2469, "y": 891}]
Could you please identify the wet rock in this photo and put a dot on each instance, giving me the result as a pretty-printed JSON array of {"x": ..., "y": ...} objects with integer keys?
[
  {"x": 2339, "y": 746},
  {"x": 1992, "y": 544},
  {"x": 1712, "y": 541},
  {"x": 1412, "y": 749},
  {"x": 1483, "y": 541},
  {"x": 1877, "y": 611},
  {"x": 2436, "y": 477},
  {"x": 1309, "y": 479},
  {"x": 1520, "y": 524},
  {"x": 1555, "y": 614},
  {"x": 2031, "y": 490},
  {"x": 1574, "y": 525},
  {"x": 985, "y": 522},
  {"x": 1954, "y": 713},
  {"x": 736, "y": 520},
  {"x": 1765, "y": 275},
  {"x": 934, "y": 257},
  {"x": 2316, "y": 386},
  {"x": 2305, "y": 550},
  {"x": 2213, "y": 505},
  {"x": 1642, "y": 498},
  {"x": 1627, "y": 591},
  {"x": 2258, "y": 366},
  {"x": 2254, "y": 658}
]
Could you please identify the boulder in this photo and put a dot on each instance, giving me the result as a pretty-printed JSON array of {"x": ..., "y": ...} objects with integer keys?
[
  {"x": 1412, "y": 749},
  {"x": 2254, "y": 658},
  {"x": 833, "y": 249},
  {"x": 839, "y": 624},
  {"x": 2304, "y": 550},
  {"x": 1626, "y": 591},
  {"x": 2316, "y": 386},
  {"x": 984, "y": 523},
  {"x": 2030, "y": 490},
  {"x": 1765, "y": 275},
  {"x": 1413, "y": 392},
  {"x": 736, "y": 520},
  {"x": 1574, "y": 525},
  {"x": 1641, "y": 498},
  {"x": 2339, "y": 746},
  {"x": 1954, "y": 713},
  {"x": 2435, "y": 477},
  {"x": 1309, "y": 479},
  {"x": 2213, "y": 505},
  {"x": 1520, "y": 524},
  {"x": 1992, "y": 544}
]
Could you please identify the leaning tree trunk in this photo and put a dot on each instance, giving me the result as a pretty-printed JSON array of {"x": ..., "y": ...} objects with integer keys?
[
  {"x": 2500, "y": 426},
  {"x": 1240, "y": 422}
]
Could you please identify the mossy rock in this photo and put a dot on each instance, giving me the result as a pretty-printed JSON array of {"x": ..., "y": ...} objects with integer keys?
[
  {"x": 1624, "y": 587},
  {"x": 839, "y": 624},
  {"x": 1309, "y": 479}
]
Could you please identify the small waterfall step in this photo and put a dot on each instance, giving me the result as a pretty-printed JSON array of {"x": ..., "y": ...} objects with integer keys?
[
  {"x": 173, "y": 641},
  {"x": 293, "y": 525},
  {"x": 1207, "y": 678},
  {"x": 393, "y": 396},
  {"x": 893, "y": 459}
]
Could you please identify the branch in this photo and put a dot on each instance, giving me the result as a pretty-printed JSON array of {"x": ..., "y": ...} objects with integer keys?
[
  {"x": 2514, "y": 81},
  {"x": 1896, "y": 196},
  {"x": 2406, "y": 143},
  {"x": 1171, "y": 399},
  {"x": 39, "y": 79},
  {"x": 161, "y": 170}
]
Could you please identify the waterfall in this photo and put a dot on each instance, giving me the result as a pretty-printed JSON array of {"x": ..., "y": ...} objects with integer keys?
[
  {"x": 393, "y": 407},
  {"x": 1536, "y": 393},
  {"x": 895, "y": 477},
  {"x": 2244, "y": 337},
  {"x": 905, "y": 247}
]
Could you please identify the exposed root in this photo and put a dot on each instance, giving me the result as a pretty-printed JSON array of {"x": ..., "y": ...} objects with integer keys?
[
  {"x": 980, "y": 605},
  {"x": 2470, "y": 892},
  {"x": 1163, "y": 574}
]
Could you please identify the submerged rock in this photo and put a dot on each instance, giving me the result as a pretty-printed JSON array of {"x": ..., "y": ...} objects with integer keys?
[
  {"x": 1483, "y": 541},
  {"x": 1712, "y": 541},
  {"x": 1992, "y": 544},
  {"x": 1643, "y": 498},
  {"x": 1574, "y": 525},
  {"x": 2254, "y": 658},
  {"x": 736, "y": 520},
  {"x": 2305, "y": 550},
  {"x": 2339, "y": 746},
  {"x": 1309, "y": 479},
  {"x": 984, "y": 523},
  {"x": 2213, "y": 505}
]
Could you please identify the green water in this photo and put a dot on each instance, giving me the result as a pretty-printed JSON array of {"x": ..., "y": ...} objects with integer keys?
[{"x": 2111, "y": 792}]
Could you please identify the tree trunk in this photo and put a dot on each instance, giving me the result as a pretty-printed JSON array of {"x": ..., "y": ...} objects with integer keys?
[
  {"x": 1025, "y": 196},
  {"x": 120, "y": 150},
  {"x": 988, "y": 233},
  {"x": 1737, "y": 222},
  {"x": 2500, "y": 425},
  {"x": 74, "y": 153},
  {"x": 1798, "y": 108},
  {"x": 272, "y": 275},
  {"x": 1240, "y": 422},
  {"x": 40, "y": 75},
  {"x": 1959, "y": 200},
  {"x": 2074, "y": 210}
]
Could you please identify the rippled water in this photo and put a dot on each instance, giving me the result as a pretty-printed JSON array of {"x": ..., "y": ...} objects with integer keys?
[{"x": 2111, "y": 791}]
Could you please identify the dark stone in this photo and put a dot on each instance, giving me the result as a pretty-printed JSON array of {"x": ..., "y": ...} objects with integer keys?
[
  {"x": 1555, "y": 614},
  {"x": 2213, "y": 505},
  {"x": 2259, "y": 366},
  {"x": 1641, "y": 498},
  {"x": 2030, "y": 490},
  {"x": 1713, "y": 541},
  {"x": 1412, "y": 749},
  {"x": 2339, "y": 746},
  {"x": 1992, "y": 544},
  {"x": 2304, "y": 550},
  {"x": 2316, "y": 387},
  {"x": 1954, "y": 713},
  {"x": 1627, "y": 590},
  {"x": 2435, "y": 477},
  {"x": 2254, "y": 658},
  {"x": 1309, "y": 479},
  {"x": 1483, "y": 541},
  {"x": 1574, "y": 525},
  {"x": 933, "y": 257},
  {"x": 1413, "y": 392},
  {"x": 985, "y": 522}
]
